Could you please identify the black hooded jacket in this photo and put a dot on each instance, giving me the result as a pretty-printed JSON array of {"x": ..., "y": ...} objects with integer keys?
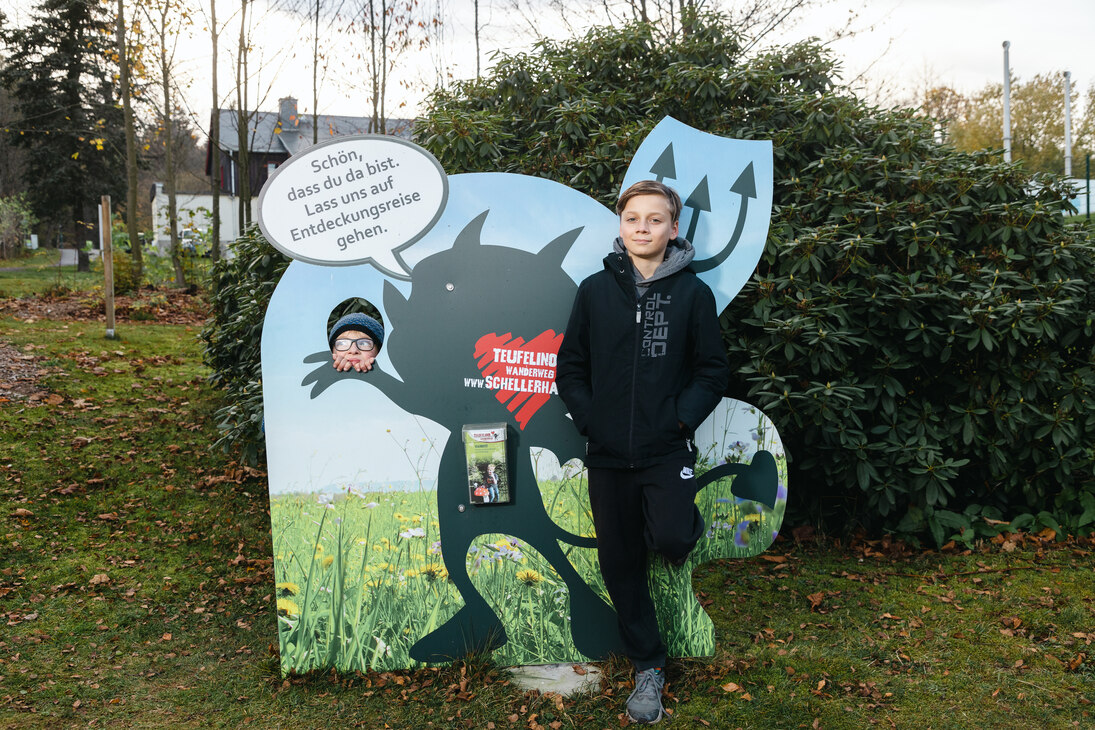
[{"x": 633, "y": 367}]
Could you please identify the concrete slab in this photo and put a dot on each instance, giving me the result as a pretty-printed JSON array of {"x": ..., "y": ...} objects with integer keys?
[{"x": 563, "y": 679}]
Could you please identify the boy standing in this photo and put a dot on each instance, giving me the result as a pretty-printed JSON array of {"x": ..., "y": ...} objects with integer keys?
[
  {"x": 641, "y": 365},
  {"x": 492, "y": 483}
]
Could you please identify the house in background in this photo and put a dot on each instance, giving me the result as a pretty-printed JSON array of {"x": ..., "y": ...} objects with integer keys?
[
  {"x": 273, "y": 137},
  {"x": 194, "y": 212}
]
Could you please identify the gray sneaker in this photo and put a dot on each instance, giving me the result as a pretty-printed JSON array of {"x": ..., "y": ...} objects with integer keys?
[{"x": 644, "y": 706}]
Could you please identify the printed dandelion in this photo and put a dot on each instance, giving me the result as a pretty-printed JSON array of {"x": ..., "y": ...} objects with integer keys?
[
  {"x": 287, "y": 608},
  {"x": 287, "y": 589},
  {"x": 328, "y": 561},
  {"x": 528, "y": 577},
  {"x": 433, "y": 571}
]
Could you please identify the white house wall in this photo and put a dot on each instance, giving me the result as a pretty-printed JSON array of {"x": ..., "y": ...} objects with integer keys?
[{"x": 195, "y": 213}]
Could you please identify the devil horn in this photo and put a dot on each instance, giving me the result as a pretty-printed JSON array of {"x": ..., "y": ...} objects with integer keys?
[
  {"x": 557, "y": 250},
  {"x": 472, "y": 234}
]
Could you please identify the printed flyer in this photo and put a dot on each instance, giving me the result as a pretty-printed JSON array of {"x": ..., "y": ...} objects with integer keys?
[{"x": 485, "y": 449}]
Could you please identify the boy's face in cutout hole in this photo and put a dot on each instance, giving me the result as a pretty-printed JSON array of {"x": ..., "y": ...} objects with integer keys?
[{"x": 354, "y": 358}]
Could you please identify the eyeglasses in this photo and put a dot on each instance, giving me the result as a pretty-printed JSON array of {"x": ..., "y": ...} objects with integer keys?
[{"x": 363, "y": 343}]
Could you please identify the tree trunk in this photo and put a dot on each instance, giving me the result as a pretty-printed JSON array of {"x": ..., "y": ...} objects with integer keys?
[
  {"x": 130, "y": 152},
  {"x": 315, "y": 80},
  {"x": 385, "y": 19},
  {"x": 169, "y": 163},
  {"x": 215, "y": 144},
  {"x": 373, "y": 121},
  {"x": 243, "y": 156}
]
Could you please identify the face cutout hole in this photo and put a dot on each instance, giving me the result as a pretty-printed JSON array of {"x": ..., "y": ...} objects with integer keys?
[{"x": 353, "y": 305}]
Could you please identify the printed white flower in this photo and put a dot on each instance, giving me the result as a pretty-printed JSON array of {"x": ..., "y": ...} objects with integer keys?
[{"x": 382, "y": 648}]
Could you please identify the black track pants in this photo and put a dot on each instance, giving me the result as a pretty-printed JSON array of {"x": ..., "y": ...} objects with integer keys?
[{"x": 636, "y": 511}]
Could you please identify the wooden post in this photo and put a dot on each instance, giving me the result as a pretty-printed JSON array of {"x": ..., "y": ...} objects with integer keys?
[{"x": 105, "y": 235}]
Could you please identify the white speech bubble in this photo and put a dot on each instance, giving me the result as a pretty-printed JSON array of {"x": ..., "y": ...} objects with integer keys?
[{"x": 353, "y": 200}]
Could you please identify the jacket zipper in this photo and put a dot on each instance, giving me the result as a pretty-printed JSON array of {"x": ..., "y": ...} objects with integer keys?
[{"x": 634, "y": 382}]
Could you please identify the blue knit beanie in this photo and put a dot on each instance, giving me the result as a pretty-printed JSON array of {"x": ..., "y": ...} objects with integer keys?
[{"x": 360, "y": 322}]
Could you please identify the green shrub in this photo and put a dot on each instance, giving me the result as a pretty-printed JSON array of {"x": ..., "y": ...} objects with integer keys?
[
  {"x": 125, "y": 281},
  {"x": 919, "y": 325},
  {"x": 242, "y": 287}
]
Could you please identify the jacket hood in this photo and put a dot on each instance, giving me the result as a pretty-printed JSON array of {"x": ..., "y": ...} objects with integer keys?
[{"x": 678, "y": 255}]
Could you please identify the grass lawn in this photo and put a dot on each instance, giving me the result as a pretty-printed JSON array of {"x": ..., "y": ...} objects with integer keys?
[
  {"x": 136, "y": 590},
  {"x": 39, "y": 273}
]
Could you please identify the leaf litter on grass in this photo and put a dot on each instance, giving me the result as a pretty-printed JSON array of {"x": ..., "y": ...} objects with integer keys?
[{"x": 137, "y": 586}]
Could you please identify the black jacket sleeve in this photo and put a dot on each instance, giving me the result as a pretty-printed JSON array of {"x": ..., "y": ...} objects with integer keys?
[
  {"x": 573, "y": 374},
  {"x": 710, "y": 370}
]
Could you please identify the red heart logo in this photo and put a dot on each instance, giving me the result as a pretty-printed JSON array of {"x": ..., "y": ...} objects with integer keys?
[{"x": 523, "y": 374}]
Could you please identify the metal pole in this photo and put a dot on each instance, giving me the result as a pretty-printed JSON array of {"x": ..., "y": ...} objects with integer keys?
[
  {"x": 1068, "y": 124},
  {"x": 108, "y": 263},
  {"x": 1007, "y": 104},
  {"x": 1087, "y": 177}
]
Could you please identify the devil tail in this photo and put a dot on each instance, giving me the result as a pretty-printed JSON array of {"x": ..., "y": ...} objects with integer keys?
[{"x": 571, "y": 539}]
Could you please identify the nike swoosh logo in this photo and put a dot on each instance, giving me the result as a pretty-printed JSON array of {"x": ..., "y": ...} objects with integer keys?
[{"x": 686, "y": 473}]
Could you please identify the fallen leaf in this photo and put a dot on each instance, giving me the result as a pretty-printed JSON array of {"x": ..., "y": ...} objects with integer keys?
[
  {"x": 731, "y": 687},
  {"x": 20, "y": 512},
  {"x": 815, "y": 599},
  {"x": 99, "y": 579}
]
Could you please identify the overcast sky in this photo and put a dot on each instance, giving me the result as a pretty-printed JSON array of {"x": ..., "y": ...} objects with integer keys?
[
  {"x": 958, "y": 42},
  {"x": 899, "y": 46}
]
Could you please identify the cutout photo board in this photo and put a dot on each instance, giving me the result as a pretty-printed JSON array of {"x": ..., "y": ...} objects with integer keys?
[{"x": 402, "y": 533}]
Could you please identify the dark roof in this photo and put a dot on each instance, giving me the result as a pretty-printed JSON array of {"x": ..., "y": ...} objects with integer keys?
[{"x": 286, "y": 132}]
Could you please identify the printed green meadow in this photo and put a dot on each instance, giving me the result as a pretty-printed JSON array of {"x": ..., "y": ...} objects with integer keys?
[{"x": 360, "y": 575}]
